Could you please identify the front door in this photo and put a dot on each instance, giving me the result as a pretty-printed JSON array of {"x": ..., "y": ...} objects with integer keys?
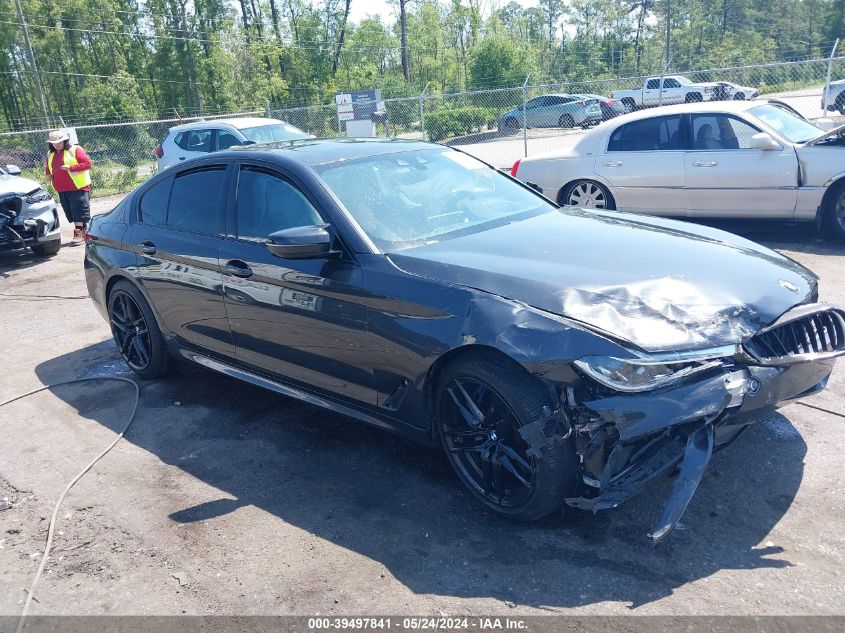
[
  {"x": 304, "y": 320},
  {"x": 726, "y": 178},
  {"x": 177, "y": 234},
  {"x": 644, "y": 164}
]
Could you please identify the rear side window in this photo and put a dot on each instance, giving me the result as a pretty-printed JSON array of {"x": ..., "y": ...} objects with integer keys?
[
  {"x": 195, "y": 200},
  {"x": 653, "y": 84},
  {"x": 153, "y": 208},
  {"x": 197, "y": 141},
  {"x": 671, "y": 83},
  {"x": 658, "y": 133},
  {"x": 181, "y": 140}
]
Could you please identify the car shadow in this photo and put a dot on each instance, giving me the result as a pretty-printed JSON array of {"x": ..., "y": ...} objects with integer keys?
[{"x": 399, "y": 503}]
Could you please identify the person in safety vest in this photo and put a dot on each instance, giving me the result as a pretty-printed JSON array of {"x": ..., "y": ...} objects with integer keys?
[{"x": 69, "y": 169}]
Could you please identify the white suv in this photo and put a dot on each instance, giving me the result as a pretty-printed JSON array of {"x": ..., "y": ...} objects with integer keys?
[{"x": 196, "y": 139}]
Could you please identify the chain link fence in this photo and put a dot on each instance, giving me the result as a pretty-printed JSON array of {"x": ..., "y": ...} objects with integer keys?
[{"x": 490, "y": 124}]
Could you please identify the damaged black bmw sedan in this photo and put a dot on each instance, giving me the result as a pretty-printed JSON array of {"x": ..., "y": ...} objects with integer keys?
[{"x": 559, "y": 356}]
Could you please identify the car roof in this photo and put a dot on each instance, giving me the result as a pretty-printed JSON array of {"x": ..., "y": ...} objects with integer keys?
[
  {"x": 728, "y": 107},
  {"x": 321, "y": 151},
  {"x": 235, "y": 122}
]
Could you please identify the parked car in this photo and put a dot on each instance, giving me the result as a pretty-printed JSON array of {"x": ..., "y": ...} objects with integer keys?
[
  {"x": 835, "y": 97},
  {"x": 675, "y": 89},
  {"x": 725, "y": 91},
  {"x": 729, "y": 159},
  {"x": 549, "y": 352},
  {"x": 28, "y": 216},
  {"x": 609, "y": 107},
  {"x": 203, "y": 137},
  {"x": 556, "y": 110}
]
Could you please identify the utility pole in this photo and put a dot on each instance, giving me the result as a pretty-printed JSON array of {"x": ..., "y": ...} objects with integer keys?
[{"x": 32, "y": 61}]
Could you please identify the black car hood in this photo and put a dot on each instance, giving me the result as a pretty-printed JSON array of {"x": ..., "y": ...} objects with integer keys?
[{"x": 662, "y": 285}]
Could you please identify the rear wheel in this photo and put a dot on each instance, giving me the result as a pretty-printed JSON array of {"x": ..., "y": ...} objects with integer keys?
[
  {"x": 566, "y": 120},
  {"x": 482, "y": 402},
  {"x": 739, "y": 96},
  {"x": 587, "y": 194},
  {"x": 834, "y": 211},
  {"x": 136, "y": 332},
  {"x": 46, "y": 249},
  {"x": 839, "y": 104},
  {"x": 629, "y": 104}
]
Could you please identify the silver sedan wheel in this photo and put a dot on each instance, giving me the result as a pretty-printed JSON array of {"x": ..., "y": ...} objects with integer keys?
[
  {"x": 839, "y": 210},
  {"x": 587, "y": 195}
]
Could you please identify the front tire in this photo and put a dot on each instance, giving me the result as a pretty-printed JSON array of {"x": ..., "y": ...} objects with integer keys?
[
  {"x": 833, "y": 217},
  {"x": 587, "y": 194},
  {"x": 739, "y": 96},
  {"x": 481, "y": 402},
  {"x": 136, "y": 332},
  {"x": 46, "y": 249},
  {"x": 839, "y": 104}
]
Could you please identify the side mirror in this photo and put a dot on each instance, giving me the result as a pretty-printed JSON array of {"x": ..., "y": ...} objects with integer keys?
[
  {"x": 13, "y": 170},
  {"x": 763, "y": 141},
  {"x": 248, "y": 142},
  {"x": 301, "y": 242}
]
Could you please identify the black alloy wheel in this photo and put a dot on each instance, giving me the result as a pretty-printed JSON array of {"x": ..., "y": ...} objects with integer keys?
[
  {"x": 482, "y": 403},
  {"x": 136, "y": 333}
]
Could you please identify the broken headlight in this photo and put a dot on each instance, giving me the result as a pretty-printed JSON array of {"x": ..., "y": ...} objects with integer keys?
[
  {"x": 634, "y": 374},
  {"x": 39, "y": 195}
]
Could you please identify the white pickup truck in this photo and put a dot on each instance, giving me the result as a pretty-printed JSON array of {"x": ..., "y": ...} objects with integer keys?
[
  {"x": 835, "y": 97},
  {"x": 675, "y": 89}
]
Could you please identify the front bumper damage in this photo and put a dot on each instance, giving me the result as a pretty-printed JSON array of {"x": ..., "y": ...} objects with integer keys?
[
  {"x": 627, "y": 442},
  {"x": 23, "y": 224}
]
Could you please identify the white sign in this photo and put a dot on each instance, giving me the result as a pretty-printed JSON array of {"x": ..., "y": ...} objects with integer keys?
[{"x": 345, "y": 111}]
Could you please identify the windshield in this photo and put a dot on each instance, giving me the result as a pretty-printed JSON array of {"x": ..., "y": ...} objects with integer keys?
[
  {"x": 794, "y": 129},
  {"x": 274, "y": 132},
  {"x": 411, "y": 198}
]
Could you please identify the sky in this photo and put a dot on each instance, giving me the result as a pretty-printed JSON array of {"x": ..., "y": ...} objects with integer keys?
[{"x": 362, "y": 8}]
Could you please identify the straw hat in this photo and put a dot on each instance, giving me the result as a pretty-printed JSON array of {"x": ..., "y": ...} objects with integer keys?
[{"x": 57, "y": 136}]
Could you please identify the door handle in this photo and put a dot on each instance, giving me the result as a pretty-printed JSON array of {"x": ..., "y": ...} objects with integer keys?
[
  {"x": 181, "y": 158},
  {"x": 613, "y": 163},
  {"x": 147, "y": 247},
  {"x": 698, "y": 163},
  {"x": 238, "y": 268}
]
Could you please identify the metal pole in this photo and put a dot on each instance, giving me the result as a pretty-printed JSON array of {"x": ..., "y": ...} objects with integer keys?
[
  {"x": 826, "y": 91},
  {"x": 267, "y": 108},
  {"x": 38, "y": 87},
  {"x": 422, "y": 111},
  {"x": 524, "y": 117},
  {"x": 660, "y": 85}
]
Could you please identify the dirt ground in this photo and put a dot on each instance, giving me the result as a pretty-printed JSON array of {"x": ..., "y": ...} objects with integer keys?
[{"x": 226, "y": 499}]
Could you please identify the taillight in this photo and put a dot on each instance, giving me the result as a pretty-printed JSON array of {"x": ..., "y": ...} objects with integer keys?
[
  {"x": 515, "y": 168},
  {"x": 159, "y": 152},
  {"x": 87, "y": 234},
  {"x": 610, "y": 103}
]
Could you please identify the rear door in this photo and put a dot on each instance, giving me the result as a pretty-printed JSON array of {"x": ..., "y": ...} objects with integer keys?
[
  {"x": 644, "y": 163},
  {"x": 177, "y": 235},
  {"x": 651, "y": 92},
  {"x": 726, "y": 178},
  {"x": 302, "y": 319}
]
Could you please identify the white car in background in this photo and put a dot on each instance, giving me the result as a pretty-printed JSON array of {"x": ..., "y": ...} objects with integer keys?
[
  {"x": 197, "y": 139},
  {"x": 727, "y": 159},
  {"x": 835, "y": 97},
  {"x": 727, "y": 90}
]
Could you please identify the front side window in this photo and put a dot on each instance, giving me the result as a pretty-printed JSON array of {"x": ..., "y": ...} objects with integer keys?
[
  {"x": 671, "y": 83},
  {"x": 653, "y": 84},
  {"x": 225, "y": 139},
  {"x": 415, "y": 197},
  {"x": 657, "y": 133},
  {"x": 720, "y": 132},
  {"x": 195, "y": 200},
  {"x": 153, "y": 207},
  {"x": 267, "y": 203}
]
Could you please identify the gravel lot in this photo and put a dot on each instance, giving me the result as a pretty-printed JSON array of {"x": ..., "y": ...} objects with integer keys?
[{"x": 227, "y": 499}]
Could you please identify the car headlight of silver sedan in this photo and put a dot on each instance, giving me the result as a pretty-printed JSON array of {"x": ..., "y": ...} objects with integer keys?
[
  {"x": 633, "y": 374},
  {"x": 39, "y": 195}
]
